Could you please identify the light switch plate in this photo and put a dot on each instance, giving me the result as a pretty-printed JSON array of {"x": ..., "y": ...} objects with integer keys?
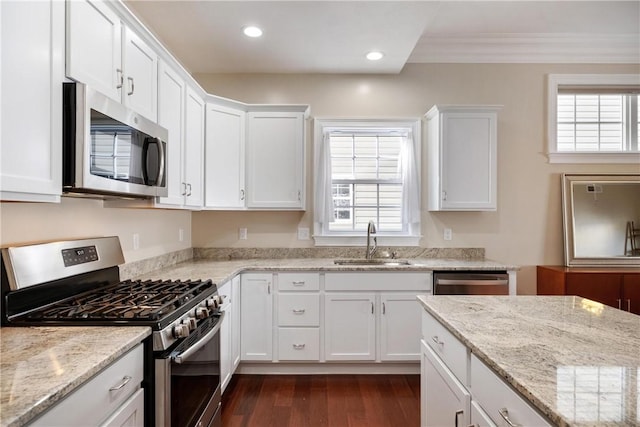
[
  {"x": 448, "y": 235},
  {"x": 303, "y": 233},
  {"x": 242, "y": 234}
]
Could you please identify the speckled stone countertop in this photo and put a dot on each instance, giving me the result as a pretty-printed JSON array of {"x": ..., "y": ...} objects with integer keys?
[
  {"x": 221, "y": 271},
  {"x": 577, "y": 361},
  {"x": 39, "y": 366}
]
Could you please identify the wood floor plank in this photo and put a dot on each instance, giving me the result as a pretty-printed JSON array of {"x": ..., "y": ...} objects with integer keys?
[{"x": 322, "y": 401}]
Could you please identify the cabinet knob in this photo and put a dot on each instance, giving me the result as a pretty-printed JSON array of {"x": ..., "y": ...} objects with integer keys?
[
  {"x": 436, "y": 340},
  {"x": 298, "y": 346},
  {"x": 131, "y": 86}
]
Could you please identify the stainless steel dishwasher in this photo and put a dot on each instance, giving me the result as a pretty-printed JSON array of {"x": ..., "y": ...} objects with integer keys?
[{"x": 471, "y": 283}]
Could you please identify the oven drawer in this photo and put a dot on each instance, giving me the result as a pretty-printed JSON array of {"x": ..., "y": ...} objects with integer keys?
[
  {"x": 298, "y": 309},
  {"x": 101, "y": 396},
  {"x": 299, "y": 344},
  {"x": 298, "y": 281},
  {"x": 452, "y": 352}
]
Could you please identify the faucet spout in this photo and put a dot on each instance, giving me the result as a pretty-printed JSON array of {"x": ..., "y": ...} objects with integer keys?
[{"x": 371, "y": 250}]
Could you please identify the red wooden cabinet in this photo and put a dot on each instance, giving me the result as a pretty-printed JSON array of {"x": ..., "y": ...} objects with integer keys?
[{"x": 616, "y": 287}]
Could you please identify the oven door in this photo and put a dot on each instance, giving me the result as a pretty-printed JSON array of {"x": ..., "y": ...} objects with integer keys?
[{"x": 188, "y": 390}]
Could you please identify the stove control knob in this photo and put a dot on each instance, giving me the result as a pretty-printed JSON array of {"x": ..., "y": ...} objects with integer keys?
[
  {"x": 181, "y": 331},
  {"x": 202, "y": 313},
  {"x": 191, "y": 323},
  {"x": 214, "y": 302}
]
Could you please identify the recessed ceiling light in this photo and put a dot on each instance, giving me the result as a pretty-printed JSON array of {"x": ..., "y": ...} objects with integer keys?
[
  {"x": 252, "y": 31},
  {"x": 374, "y": 55}
]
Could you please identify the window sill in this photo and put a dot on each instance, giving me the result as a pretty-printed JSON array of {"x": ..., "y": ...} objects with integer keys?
[
  {"x": 601, "y": 158},
  {"x": 361, "y": 240}
]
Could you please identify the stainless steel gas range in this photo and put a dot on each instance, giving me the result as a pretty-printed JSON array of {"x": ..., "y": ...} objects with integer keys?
[{"x": 78, "y": 283}]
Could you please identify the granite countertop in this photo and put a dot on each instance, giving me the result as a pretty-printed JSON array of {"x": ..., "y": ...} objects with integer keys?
[
  {"x": 39, "y": 366},
  {"x": 221, "y": 271},
  {"x": 576, "y": 360}
]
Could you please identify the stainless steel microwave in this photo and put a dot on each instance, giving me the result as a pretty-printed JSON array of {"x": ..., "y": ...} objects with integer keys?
[{"x": 108, "y": 149}]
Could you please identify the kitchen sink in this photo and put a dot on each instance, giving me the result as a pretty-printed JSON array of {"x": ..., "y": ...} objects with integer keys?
[{"x": 375, "y": 261}]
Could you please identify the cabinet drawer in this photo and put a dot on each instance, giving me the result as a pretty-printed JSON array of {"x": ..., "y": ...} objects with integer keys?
[
  {"x": 299, "y": 343},
  {"x": 378, "y": 281},
  {"x": 98, "y": 398},
  {"x": 298, "y": 281},
  {"x": 446, "y": 346},
  {"x": 298, "y": 310},
  {"x": 498, "y": 399}
]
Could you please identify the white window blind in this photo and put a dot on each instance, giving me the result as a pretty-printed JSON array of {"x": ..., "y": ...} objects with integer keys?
[{"x": 593, "y": 118}]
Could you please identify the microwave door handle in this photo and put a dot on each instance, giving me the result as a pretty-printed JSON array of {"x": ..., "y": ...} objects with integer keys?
[
  {"x": 161, "y": 162},
  {"x": 145, "y": 152},
  {"x": 185, "y": 355}
]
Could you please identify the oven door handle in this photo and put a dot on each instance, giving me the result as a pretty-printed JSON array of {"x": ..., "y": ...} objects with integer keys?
[{"x": 185, "y": 355}]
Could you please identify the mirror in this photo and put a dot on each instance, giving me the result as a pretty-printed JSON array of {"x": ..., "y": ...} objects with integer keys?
[{"x": 601, "y": 217}]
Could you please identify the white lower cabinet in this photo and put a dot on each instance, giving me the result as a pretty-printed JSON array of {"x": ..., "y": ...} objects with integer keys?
[
  {"x": 235, "y": 323},
  {"x": 299, "y": 344},
  {"x": 226, "y": 362},
  {"x": 350, "y": 326},
  {"x": 399, "y": 327},
  {"x": 256, "y": 333},
  {"x": 113, "y": 397},
  {"x": 446, "y": 401}
]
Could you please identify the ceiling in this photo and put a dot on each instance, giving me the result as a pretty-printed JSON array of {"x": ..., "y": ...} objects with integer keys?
[{"x": 334, "y": 36}]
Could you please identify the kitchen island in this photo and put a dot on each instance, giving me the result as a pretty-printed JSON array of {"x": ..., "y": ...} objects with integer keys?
[
  {"x": 573, "y": 361},
  {"x": 41, "y": 366}
]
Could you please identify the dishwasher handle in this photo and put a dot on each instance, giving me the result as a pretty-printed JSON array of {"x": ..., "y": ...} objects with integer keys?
[{"x": 472, "y": 282}]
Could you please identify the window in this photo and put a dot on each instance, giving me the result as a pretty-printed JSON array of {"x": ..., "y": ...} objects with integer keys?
[
  {"x": 594, "y": 118},
  {"x": 367, "y": 170}
]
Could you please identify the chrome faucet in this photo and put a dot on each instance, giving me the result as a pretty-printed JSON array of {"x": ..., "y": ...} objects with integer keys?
[{"x": 371, "y": 229}]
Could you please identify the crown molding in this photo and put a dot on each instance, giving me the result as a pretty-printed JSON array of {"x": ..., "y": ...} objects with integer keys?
[{"x": 529, "y": 48}]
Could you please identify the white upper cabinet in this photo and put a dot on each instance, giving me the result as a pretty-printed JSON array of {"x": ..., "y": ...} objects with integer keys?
[
  {"x": 275, "y": 160},
  {"x": 225, "y": 157},
  {"x": 32, "y": 72},
  {"x": 462, "y": 151},
  {"x": 171, "y": 96},
  {"x": 193, "y": 172},
  {"x": 141, "y": 76},
  {"x": 122, "y": 67}
]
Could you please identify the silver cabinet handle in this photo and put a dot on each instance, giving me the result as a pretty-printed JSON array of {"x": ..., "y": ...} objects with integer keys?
[
  {"x": 189, "y": 192},
  {"x": 436, "y": 340},
  {"x": 124, "y": 382},
  {"x": 458, "y": 412},
  {"x": 184, "y": 189},
  {"x": 299, "y": 346},
  {"x": 299, "y": 311},
  {"x": 241, "y": 194},
  {"x": 384, "y": 309},
  {"x": 269, "y": 288},
  {"x": 299, "y": 196},
  {"x": 299, "y": 283},
  {"x": 130, "y": 80},
  {"x": 444, "y": 195},
  {"x": 504, "y": 413},
  {"x": 120, "y": 77},
  {"x": 371, "y": 308}
]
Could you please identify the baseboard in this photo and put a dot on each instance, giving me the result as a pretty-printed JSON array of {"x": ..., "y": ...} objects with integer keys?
[{"x": 305, "y": 368}]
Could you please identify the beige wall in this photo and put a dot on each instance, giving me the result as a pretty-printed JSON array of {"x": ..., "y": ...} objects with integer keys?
[
  {"x": 77, "y": 218},
  {"x": 527, "y": 228}
]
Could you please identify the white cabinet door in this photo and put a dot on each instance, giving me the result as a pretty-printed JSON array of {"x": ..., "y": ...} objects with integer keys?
[
  {"x": 235, "y": 323},
  {"x": 32, "y": 71},
  {"x": 350, "y": 326},
  {"x": 94, "y": 46},
  {"x": 446, "y": 402},
  {"x": 171, "y": 90},
  {"x": 400, "y": 327},
  {"x": 275, "y": 160},
  {"x": 130, "y": 414},
  {"x": 256, "y": 311},
  {"x": 462, "y": 148},
  {"x": 194, "y": 149},
  {"x": 225, "y": 140},
  {"x": 225, "y": 336},
  {"x": 141, "y": 76}
]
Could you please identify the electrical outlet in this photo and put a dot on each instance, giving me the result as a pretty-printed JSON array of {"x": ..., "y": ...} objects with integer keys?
[
  {"x": 181, "y": 235},
  {"x": 448, "y": 235},
  {"x": 136, "y": 241},
  {"x": 303, "y": 233},
  {"x": 242, "y": 234}
]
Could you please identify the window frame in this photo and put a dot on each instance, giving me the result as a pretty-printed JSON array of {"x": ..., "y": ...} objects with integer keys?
[
  {"x": 554, "y": 82},
  {"x": 322, "y": 236}
]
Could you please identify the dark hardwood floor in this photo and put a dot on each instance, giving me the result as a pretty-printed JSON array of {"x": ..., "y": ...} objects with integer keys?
[{"x": 322, "y": 400}]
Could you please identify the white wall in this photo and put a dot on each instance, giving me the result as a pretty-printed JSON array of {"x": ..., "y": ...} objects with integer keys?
[
  {"x": 527, "y": 228},
  {"x": 78, "y": 218}
]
